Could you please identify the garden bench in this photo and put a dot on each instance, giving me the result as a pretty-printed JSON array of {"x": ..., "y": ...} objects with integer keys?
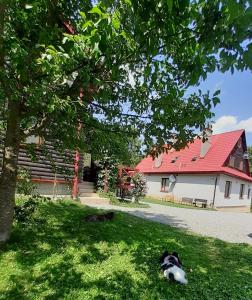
[
  {"x": 186, "y": 200},
  {"x": 202, "y": 201}
]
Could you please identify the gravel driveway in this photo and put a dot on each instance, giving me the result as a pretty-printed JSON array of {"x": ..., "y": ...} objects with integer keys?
[{"x": 228, "y": 226}]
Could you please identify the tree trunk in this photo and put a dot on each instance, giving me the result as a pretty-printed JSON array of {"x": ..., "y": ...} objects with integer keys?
[
  {"x": 8, "y": 177},
  {"x": 106, "y": 180}
]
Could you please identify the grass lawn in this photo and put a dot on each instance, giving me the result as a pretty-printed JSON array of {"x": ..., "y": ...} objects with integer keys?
[
  {"x": 168, "y": 203},
  {"x": 66, "y": 258},
  {"x": 125, "y": 203}
]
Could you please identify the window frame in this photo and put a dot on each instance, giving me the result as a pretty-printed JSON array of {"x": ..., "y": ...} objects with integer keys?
[
  {"x": 242, "y": 191},
  {"x": 228, "y": 187},
  {"x": 164, "y": 184}
]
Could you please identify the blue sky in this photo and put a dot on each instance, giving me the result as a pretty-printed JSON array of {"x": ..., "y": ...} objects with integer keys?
[{"x": 235, "y": 109}]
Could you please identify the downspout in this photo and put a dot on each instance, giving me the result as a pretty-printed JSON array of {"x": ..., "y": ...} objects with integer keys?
[{"x": 215, "y": 186}]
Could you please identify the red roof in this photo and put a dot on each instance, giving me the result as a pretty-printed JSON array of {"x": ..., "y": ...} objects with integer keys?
[{"x": 213, "y": 162}]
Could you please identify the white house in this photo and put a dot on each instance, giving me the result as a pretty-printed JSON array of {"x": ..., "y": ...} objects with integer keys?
[{"x": 216, "y": 171}]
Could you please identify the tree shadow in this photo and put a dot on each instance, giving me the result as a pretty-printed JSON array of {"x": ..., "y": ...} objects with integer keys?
[{"x": 67, "y": 258}]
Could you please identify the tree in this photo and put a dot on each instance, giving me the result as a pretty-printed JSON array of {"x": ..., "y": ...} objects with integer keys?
[{"x": 132, "y": 60}]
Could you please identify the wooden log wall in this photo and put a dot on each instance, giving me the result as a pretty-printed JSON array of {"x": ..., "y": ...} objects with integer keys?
[{"x": 51, "y": 166}]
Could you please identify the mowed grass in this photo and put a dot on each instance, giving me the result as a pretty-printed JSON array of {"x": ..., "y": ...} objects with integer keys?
[
  {"x": 66, "y": 258},
  {"x": 173, "y": 204}
]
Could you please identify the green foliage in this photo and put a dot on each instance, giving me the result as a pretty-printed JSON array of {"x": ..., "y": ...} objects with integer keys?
[
  {"x": 133, "y": 61},
  {"x": 26, "y": 209},
  {"x": 109, "y": 195},
  {"x": 108, "y": 172},
  {"x": 24, "y": 184},
  {"x": 66, "y": 258},
  {"x": 140, "y": 186}
]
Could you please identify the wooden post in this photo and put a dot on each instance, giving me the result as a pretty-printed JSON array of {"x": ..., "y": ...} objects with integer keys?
[
  {"x": 55, "y": 186},
  {"x": 106, "y": 180},
  {"x": 76, "y": 161},
  {"x": 76, "y": 175}
]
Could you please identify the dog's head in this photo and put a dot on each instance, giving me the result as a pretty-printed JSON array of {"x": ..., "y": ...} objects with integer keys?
[
  {"x": 164, "y": 255},
  {"x": 172, "y": 258}
]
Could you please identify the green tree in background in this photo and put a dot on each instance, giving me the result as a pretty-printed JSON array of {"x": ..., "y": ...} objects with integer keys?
[{"x": 133, "y": 62}]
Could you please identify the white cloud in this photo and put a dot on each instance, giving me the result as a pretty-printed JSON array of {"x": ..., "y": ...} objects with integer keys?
[{"x": 229, "y": 123}]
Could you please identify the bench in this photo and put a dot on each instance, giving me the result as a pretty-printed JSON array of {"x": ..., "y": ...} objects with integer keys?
[
  {"x": 203, "y": 202},
  {"x": 186, "y": 200}
]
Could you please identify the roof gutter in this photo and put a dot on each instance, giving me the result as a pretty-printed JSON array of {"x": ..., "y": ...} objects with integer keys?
[{"x": 199, "y": 172}]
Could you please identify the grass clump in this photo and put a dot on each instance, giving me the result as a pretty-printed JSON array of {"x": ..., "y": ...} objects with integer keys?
[
  {"x": 122, "y": 202},
  {"x": 67, "y": 258}
]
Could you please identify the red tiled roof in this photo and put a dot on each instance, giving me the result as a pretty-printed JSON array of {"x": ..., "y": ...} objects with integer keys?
[{"x": 221, "y": 147}]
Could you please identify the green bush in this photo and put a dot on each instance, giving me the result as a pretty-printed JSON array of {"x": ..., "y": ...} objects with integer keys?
[
  {"x": 110, "y": 195},
  {"x": 24, "y": 184},
  {"x": 108, "y": 169},
  {"x": 26, "y": 208}
]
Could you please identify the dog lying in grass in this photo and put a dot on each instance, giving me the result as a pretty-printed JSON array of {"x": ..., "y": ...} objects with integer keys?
[
  {"x": 100, "y": 218},
  {"x": 172, "y": 267}
]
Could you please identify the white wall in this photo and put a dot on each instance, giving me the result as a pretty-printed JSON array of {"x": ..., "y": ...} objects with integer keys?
[
  {"x": 187, "y": 185},
  {"x": 47, "y": 189},
  {"x": 233, "y": 200},
  {"x": 200, "y": 186}
]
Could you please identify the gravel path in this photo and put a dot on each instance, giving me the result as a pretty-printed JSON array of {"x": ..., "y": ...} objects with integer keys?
[{"x": 227, "y": 226}]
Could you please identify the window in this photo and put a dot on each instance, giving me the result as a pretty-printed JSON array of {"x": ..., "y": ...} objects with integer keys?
[
  {"x": 164, "y": 184},
  {"x": 37, "y": 140},
  {"x": 242, "y": 188},
  {"x": 248, "y": 193},
  {"x": 228, "y": 189}
]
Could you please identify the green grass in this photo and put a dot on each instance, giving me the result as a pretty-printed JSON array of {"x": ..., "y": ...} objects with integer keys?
[
  {"x": 168, "y": 203},
  {"x": 125, "y": 203},
  {"x": 66, "y": 258}
]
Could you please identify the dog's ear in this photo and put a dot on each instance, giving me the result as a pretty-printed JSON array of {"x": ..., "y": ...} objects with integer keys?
[
  {"x": 176, "y": 255},
  {"x": 166, "y": 253}
]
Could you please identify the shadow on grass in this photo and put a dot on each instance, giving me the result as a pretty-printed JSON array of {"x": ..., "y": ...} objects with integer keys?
[{"x": 67, "y": 258}]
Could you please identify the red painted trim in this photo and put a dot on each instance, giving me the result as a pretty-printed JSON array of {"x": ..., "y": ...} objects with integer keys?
[
  {"x": 69, "y": 27},
  {"x": 76, "y": 173},
  {"x": 77, "y": 160},
  {"x": 48, "y": 180}
]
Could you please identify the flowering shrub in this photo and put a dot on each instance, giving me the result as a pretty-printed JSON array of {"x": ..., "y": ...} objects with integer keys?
[{"x": 139, "y": 186}]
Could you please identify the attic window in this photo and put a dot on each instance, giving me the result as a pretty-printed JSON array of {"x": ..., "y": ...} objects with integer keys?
[
  {"x": 194, "y": 158},
  {"x": 174, "y": 159}
]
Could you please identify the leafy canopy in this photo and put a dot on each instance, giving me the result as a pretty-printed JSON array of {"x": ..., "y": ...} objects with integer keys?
[{"x": 133, "y": 60}]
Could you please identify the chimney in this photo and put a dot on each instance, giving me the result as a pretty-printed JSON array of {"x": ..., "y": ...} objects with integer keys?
[{"x": 206, "y": 141}]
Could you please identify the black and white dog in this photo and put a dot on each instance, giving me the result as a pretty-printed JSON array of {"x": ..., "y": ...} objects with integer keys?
[{"x": 172, "y": 267}]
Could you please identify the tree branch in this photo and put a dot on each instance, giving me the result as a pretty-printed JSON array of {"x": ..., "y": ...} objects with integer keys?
[
  {"x": 108, "y": 110},
  {"x": 36, "y": 129}
]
